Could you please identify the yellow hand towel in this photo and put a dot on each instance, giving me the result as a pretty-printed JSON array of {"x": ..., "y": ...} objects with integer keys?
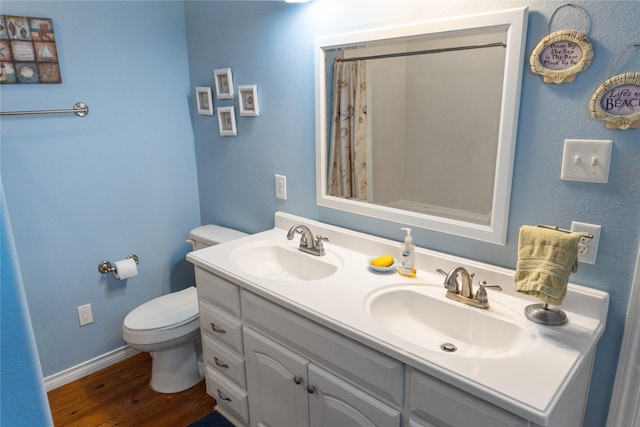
[
  {"x": 383, "y": 260},
  {"x": 546, "y": 258}
]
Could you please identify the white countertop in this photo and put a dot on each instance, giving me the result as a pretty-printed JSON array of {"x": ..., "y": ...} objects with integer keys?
[{"x": 528, "y": 383}]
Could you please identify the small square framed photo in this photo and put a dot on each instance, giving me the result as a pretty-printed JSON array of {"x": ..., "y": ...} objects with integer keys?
[
  {"x": 248, "y": 100},
  {"x": 224, "y": 83},
  {"x": 204, "y": 102},
  {"x": 227, "y": 121}
]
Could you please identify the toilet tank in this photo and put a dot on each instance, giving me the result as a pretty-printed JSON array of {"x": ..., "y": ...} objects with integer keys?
[{"x": 209, "y": 235}]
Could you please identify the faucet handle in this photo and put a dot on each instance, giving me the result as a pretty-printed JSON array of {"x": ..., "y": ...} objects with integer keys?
[
  {"x": 318, "y": 243},
  {"x": 483, "y": 285},
  {"x": 481, "y": 294}
]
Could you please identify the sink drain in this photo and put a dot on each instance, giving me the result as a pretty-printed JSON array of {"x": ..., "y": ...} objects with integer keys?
[{"x": 448, "y": 347}]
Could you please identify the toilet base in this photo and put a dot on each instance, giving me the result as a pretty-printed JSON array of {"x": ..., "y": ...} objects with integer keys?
[{"x": 175, "y": 370}]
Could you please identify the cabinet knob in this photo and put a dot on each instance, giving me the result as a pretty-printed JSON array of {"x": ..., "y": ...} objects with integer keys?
[
  {"x": 297, "y": 380},
  {"x": 219, "y": 363},
  {"x": 217, "y": 329},
  {"x": 311, "y": 389},
  {"x": 222, "y": 396}
]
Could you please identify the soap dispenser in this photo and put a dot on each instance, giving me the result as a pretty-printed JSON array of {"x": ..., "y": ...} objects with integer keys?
[{"x": 407, "y": 267}]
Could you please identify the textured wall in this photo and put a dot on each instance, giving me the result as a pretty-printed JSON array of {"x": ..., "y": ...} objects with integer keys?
[
  {"x": 121, "y": 180},
  {"x": 271, "y": 44}
]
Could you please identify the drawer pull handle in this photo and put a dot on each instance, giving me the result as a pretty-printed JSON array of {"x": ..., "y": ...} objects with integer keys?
[
  {"x": 217, "y": 329},
  {"x": 219, "y": 363},
  {"x": 311, "y": 389},
  {"x": 297, "y": 380},
  {"x": 222, "y": 396}
]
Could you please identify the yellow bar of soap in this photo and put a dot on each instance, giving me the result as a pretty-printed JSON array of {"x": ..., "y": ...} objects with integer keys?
[{"x": 383, "y": 261}]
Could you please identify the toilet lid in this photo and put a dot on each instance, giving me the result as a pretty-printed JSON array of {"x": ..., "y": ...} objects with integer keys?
[{"x": 169, "y": 310}]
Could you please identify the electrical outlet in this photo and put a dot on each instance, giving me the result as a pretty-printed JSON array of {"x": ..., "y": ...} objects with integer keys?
[
  {"x": 587, "y": 248},
  {"x": 85, "y": 315},
  {"x": 281, "y": 187}
]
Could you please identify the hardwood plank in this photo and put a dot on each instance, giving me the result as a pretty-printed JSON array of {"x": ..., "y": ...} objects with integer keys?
[{"x": 120, "y": 395}]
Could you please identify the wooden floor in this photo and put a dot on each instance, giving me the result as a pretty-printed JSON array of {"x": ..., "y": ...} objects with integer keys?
[{"x": 120, "y": 396}]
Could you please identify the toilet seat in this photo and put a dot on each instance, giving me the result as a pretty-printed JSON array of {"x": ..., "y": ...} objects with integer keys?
[{"x": 165, "y": 312}]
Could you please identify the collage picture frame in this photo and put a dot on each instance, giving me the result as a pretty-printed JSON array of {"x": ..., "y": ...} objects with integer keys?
[
  {"x": 224, "y": 83},
  {"x": 204, "y": 101},
  {"x": 227, "y": 121},
  {"x": 248, "y": 104}
]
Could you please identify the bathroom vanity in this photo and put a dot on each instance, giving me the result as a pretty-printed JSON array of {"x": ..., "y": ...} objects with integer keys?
[{"x": 293, "y": 339}]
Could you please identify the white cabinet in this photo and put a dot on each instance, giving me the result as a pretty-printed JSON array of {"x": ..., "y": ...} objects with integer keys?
[
  {"x": 334, "y": 402},
  {"x": 276, "y": 382},
  {"x": 432, "y": 402},
  {"x": 286, "y": 389},
  {"x": 222, "y": 347},
  {"x": 267, "y": 367}
]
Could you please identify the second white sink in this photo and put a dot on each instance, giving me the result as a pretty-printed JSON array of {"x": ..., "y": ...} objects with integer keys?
[{"x": 421, "y": 315}]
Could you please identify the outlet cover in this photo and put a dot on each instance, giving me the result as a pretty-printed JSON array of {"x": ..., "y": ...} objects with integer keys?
[
  {"x": 281, "y": 187},
  {"x": 85, "y": 315},
  {"x": 587, "y": 248},
  {"x": 586, "y": 160}
]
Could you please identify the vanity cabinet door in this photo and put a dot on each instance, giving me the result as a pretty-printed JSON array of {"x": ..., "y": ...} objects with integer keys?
[
  {"x": 333, "y": 402},
  {"x": 276, "y": 382},
  {"x": 435, "y": 403}
]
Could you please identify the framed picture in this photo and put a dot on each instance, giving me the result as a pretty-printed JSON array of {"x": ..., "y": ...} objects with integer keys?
[
  {"x": 224, "y": 83},
  {"x": 227, "y": 121},
  {"x": 248, "y": 100},
  {"x": 203, "y": 99}
]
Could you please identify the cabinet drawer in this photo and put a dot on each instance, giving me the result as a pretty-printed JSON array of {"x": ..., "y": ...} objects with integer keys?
[
  {"x": 373, "y": 370},
  {"x": 228, "y": 395},
  {"x": 221, "y": 325},
  {"x": 439, "y": 403},
  {"x": 218, "y": 291},
  {"x": 224, "y": 361}
]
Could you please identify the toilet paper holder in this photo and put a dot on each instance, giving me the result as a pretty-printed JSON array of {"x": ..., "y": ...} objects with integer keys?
[{"x": 106, "y": 267}]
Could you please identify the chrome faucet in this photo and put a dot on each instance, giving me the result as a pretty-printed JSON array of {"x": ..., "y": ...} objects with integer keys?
[
  {"x": 463, "y": 292},
  {"x": 308, "y": 243}
]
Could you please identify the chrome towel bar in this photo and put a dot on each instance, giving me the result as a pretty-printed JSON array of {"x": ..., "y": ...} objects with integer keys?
[
  {"x": 555, "y": 227},
  {"x": 80, "y": 109}
]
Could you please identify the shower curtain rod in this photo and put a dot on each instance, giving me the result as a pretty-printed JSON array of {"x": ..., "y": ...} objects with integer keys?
[
  {"x": 80, "y": 109},
  {"x": 424, "y": 52}
]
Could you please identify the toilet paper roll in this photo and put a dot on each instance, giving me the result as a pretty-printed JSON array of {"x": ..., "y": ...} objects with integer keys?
[{"x": 125, "y": 268}]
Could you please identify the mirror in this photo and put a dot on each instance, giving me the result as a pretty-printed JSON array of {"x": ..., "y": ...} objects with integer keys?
[{"x": 427, "y": 137}]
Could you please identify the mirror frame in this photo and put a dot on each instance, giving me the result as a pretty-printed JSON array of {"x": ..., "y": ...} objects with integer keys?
[{"x": 514, "y": 21}]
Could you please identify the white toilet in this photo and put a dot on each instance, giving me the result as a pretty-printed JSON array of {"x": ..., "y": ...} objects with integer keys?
[{"x": 169, "y": 326}]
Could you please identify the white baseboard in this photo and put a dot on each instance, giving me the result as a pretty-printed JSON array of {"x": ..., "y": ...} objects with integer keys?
[{"x": 90, "y": 366}]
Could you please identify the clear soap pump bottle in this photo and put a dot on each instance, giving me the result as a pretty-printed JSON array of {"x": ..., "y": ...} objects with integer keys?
[{"x": 407, "y": 267}]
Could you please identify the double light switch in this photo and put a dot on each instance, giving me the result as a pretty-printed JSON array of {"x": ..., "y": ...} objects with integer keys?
[{"x": 586, "y": 160}]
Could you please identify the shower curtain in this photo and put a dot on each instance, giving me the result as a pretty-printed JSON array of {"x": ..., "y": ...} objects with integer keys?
[{"x": 348, "y": 145}]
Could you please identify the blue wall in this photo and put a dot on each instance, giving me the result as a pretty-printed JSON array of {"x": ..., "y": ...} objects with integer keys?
[
  {"x": 121, "y": 180},
  {"x": 271, "y": 44},
  {"x": 26, "y": 405}
]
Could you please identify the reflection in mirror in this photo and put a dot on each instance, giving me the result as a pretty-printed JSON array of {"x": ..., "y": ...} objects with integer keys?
[{"x": 416, "y": 124}]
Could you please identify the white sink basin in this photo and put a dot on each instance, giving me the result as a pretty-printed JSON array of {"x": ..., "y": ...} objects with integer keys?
[
  {"x": 284, "y": 262},
  {"x": 420, "y": 315}
]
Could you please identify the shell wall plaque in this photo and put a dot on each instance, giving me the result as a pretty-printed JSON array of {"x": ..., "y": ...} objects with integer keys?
[
  {"x": 617, "y": 101},
  {"x": 561, "y": 55}
]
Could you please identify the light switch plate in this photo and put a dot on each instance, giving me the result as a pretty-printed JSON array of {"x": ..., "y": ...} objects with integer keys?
[{"x": 586, "y": 160}]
